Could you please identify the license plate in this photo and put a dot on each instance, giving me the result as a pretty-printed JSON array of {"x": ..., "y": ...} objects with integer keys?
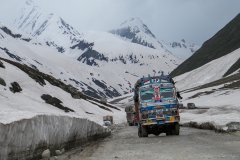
[
  {"x": 160, "y": 122},
  {"x": 149, "y": 121}
]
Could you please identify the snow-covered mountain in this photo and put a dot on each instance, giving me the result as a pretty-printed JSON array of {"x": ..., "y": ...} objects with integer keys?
[
  {"x": 135, "y": 31},
  {"x": 124, "y": 62},
  {"x": 108, "y": 49},
  {"x": 92, "y": 48},
  {"x": 48, "y": 27}
]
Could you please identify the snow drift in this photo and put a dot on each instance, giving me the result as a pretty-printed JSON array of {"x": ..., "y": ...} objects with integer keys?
[{"x": 28, "y": 138}]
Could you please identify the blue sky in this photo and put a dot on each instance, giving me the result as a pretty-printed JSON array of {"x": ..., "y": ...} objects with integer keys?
[{"x": 171, "y": 20}]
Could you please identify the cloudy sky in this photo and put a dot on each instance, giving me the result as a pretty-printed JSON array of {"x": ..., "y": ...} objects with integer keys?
[{"x": 171, "y": 20}]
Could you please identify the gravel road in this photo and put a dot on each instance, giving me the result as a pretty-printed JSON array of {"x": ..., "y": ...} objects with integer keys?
[{"x": 190, "y": 144}]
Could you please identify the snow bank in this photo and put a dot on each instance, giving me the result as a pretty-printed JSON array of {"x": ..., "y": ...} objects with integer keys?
[{"x": 28, "y": 138}]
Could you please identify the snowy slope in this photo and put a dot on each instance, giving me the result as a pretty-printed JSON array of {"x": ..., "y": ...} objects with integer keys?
[
  {"x": 209, "y": 72},
  {"x": 135, "y": 31},
  {"x": 17, "y": 106}
]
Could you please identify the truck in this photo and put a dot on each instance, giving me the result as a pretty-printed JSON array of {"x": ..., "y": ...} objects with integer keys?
[
  {"x": 130, "y": 115},
  {"x": 156, "y": 106},
  {"x": 107, "y": 120}
]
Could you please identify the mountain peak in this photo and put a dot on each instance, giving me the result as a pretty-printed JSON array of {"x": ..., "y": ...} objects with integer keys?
[
  {"x": 133, "y": 21},
  {"x": 136, "y": 25},
  {"x": 29, "y": 2}
]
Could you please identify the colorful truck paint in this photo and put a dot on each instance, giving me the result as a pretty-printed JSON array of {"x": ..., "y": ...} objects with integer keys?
[{"x": 156, "y": 106}]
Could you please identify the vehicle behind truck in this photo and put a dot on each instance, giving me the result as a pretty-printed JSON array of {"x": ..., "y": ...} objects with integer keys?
[
  {"x": 156, "y": 106},
  {"x": 130, "y": 115},
  {"x": 107, "y": 120}
]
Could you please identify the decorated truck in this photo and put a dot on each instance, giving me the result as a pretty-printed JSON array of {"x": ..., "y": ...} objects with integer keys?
[
  {"x": 156, "y": 106},
  {"x": 107, "y": 120}
]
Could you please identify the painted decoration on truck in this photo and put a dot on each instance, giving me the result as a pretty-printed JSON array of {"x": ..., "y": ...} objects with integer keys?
[
  {"x": 157, "y": 94},
  {"x": 158, "y": 97}
]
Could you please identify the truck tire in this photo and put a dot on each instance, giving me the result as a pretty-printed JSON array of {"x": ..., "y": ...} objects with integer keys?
[
  {"x": 170, "y": 132},
  {"x": 157, "y": 133},
  {"x": 144, "y": 131},
  {"x": 177, "y": 129},
  {"x": 139, "y": 133},
  {"x": 139, "y": 130}
]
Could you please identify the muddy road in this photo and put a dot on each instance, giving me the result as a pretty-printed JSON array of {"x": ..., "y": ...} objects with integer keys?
[{"x": 190, "y": 144}]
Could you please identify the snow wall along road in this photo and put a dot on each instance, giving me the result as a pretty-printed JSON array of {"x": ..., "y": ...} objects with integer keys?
[{"x": 28, "y": 138}]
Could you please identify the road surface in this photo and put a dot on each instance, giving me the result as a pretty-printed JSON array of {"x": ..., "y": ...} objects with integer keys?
[{"x": 124, "y": 144}]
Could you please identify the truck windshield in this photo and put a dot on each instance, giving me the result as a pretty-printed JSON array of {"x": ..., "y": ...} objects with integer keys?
[
  {"x": 167, "y": 94},
  {"x": 153, "y": 95},
  {"x": 147, "y": 96}
]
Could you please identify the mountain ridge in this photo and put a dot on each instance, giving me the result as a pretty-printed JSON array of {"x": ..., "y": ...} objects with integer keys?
[
  {"x": 135, "y": 31},
  {"x": 222, "y": 43}
]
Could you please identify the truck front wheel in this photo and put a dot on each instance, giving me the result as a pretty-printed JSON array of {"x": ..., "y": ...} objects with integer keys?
[
  {"x": 139, "y": 130},
  {"x": 130, "y": 124},
  {"x": 144, "y": 131},
  {"x": 177, "y": 129}
]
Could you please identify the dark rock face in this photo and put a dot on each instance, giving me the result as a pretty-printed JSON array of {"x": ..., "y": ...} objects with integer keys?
[
  {"x": 1, "y": 65},
  {"x": 127, "y": 33},
  {"x": 86, "y": 57},
  {"x": 82, "y": 45},
  {"x": 33, "y": 66},
  {"x": 77, "y": 82},
  {"x": 124, "y": 32},
  {"x": 91, "y": 91},
  {"x": 2, "y": 82},
  {"x": 176, "y": 44},
  {"x": 233, "y": 68},
  {"x": 98, "y": 83},
  {"x": 65, "y": 24},
  {"x": 12, "y": 55},
  {"x": 15, "y": 87},
  {"x": 55, "y": 102},
  {"x": 131, "y": 58},
  {"x": 26, "y": 39},
  {"x": 37, "y": 78},
  {"x": 59, "y": 48},
  {"x": 9, "y": 32},
  {"x": 112, "y": 92}
]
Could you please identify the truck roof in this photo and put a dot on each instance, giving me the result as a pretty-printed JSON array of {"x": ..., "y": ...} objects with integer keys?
[{"x": 154, "y": 80}]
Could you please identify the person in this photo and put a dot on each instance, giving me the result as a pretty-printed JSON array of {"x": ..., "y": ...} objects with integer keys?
[
  {"x": 158, "y": 98},
  {"x": 178, "y": 93}
]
